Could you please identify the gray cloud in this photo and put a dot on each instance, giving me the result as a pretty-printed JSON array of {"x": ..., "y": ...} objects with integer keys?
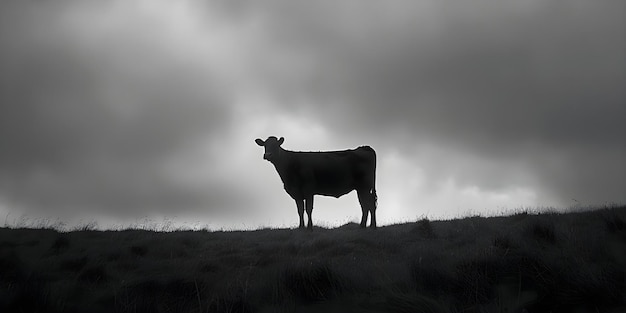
[
  {"x": 92, "y": 115},
  {"x": 128, "y": 107}
]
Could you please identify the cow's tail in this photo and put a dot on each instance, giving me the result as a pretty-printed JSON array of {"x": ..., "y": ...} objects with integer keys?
[{"x": 374, "y": 195}]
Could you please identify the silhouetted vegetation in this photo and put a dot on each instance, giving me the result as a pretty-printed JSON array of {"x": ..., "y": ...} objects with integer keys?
[
  {"x": 424, "y": 229},
  {"x": 522, "y": 263}
]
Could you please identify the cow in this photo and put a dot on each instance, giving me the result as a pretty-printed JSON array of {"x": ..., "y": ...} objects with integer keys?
[{"x": 328, "y": 173}]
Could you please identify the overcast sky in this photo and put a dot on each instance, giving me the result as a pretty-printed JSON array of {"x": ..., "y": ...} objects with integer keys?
[{"x": 119, "y": 110}]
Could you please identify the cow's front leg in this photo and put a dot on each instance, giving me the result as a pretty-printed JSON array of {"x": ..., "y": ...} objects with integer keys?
[
  {"x": 309, "y": 210},
  {"x": 300, "y": 205}
]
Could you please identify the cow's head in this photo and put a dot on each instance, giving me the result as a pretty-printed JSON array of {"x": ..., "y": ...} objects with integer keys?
[{"x": 272, "y": 146}]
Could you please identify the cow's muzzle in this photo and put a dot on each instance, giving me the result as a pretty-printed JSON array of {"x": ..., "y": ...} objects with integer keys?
[{"x": 267, "y": 156}]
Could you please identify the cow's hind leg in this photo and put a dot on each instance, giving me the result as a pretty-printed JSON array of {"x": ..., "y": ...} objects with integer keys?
[
  {"x": 309, "y": 210},
  {"x": 300, "y": 205},
  {"x": 362, "y": 194},
  {"x": 367, "y": 199}
]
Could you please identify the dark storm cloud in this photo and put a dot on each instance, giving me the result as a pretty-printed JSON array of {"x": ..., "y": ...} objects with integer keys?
[{"x": 534, "y": 87}]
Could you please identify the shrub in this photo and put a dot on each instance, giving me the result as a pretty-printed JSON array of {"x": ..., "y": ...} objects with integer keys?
[{"x": 424, "y": 229}]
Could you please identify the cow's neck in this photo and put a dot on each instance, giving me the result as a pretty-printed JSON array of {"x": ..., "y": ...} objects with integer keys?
[{"x": 282, "y": 163}]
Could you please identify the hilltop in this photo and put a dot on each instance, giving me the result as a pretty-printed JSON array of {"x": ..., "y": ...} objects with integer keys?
[{"x": 520, "y": 263}]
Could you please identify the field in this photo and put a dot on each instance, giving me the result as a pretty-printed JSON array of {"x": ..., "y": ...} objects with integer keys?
[{"x": 574, "y": 262}]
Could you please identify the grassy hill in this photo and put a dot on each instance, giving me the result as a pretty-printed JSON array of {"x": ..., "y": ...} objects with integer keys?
[{"x": 573, "y": 262}]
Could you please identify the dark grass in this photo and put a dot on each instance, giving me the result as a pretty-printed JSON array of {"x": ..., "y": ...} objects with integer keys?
[{"x": 574, "y": 262}]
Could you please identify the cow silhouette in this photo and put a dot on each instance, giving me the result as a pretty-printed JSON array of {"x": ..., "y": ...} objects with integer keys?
[{"x": 327, "y": 173}]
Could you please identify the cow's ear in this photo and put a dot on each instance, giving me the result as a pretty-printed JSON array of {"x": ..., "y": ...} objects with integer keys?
[
  {"x": 281, "y": 140},
  {"x": 260, "y": 142}
]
